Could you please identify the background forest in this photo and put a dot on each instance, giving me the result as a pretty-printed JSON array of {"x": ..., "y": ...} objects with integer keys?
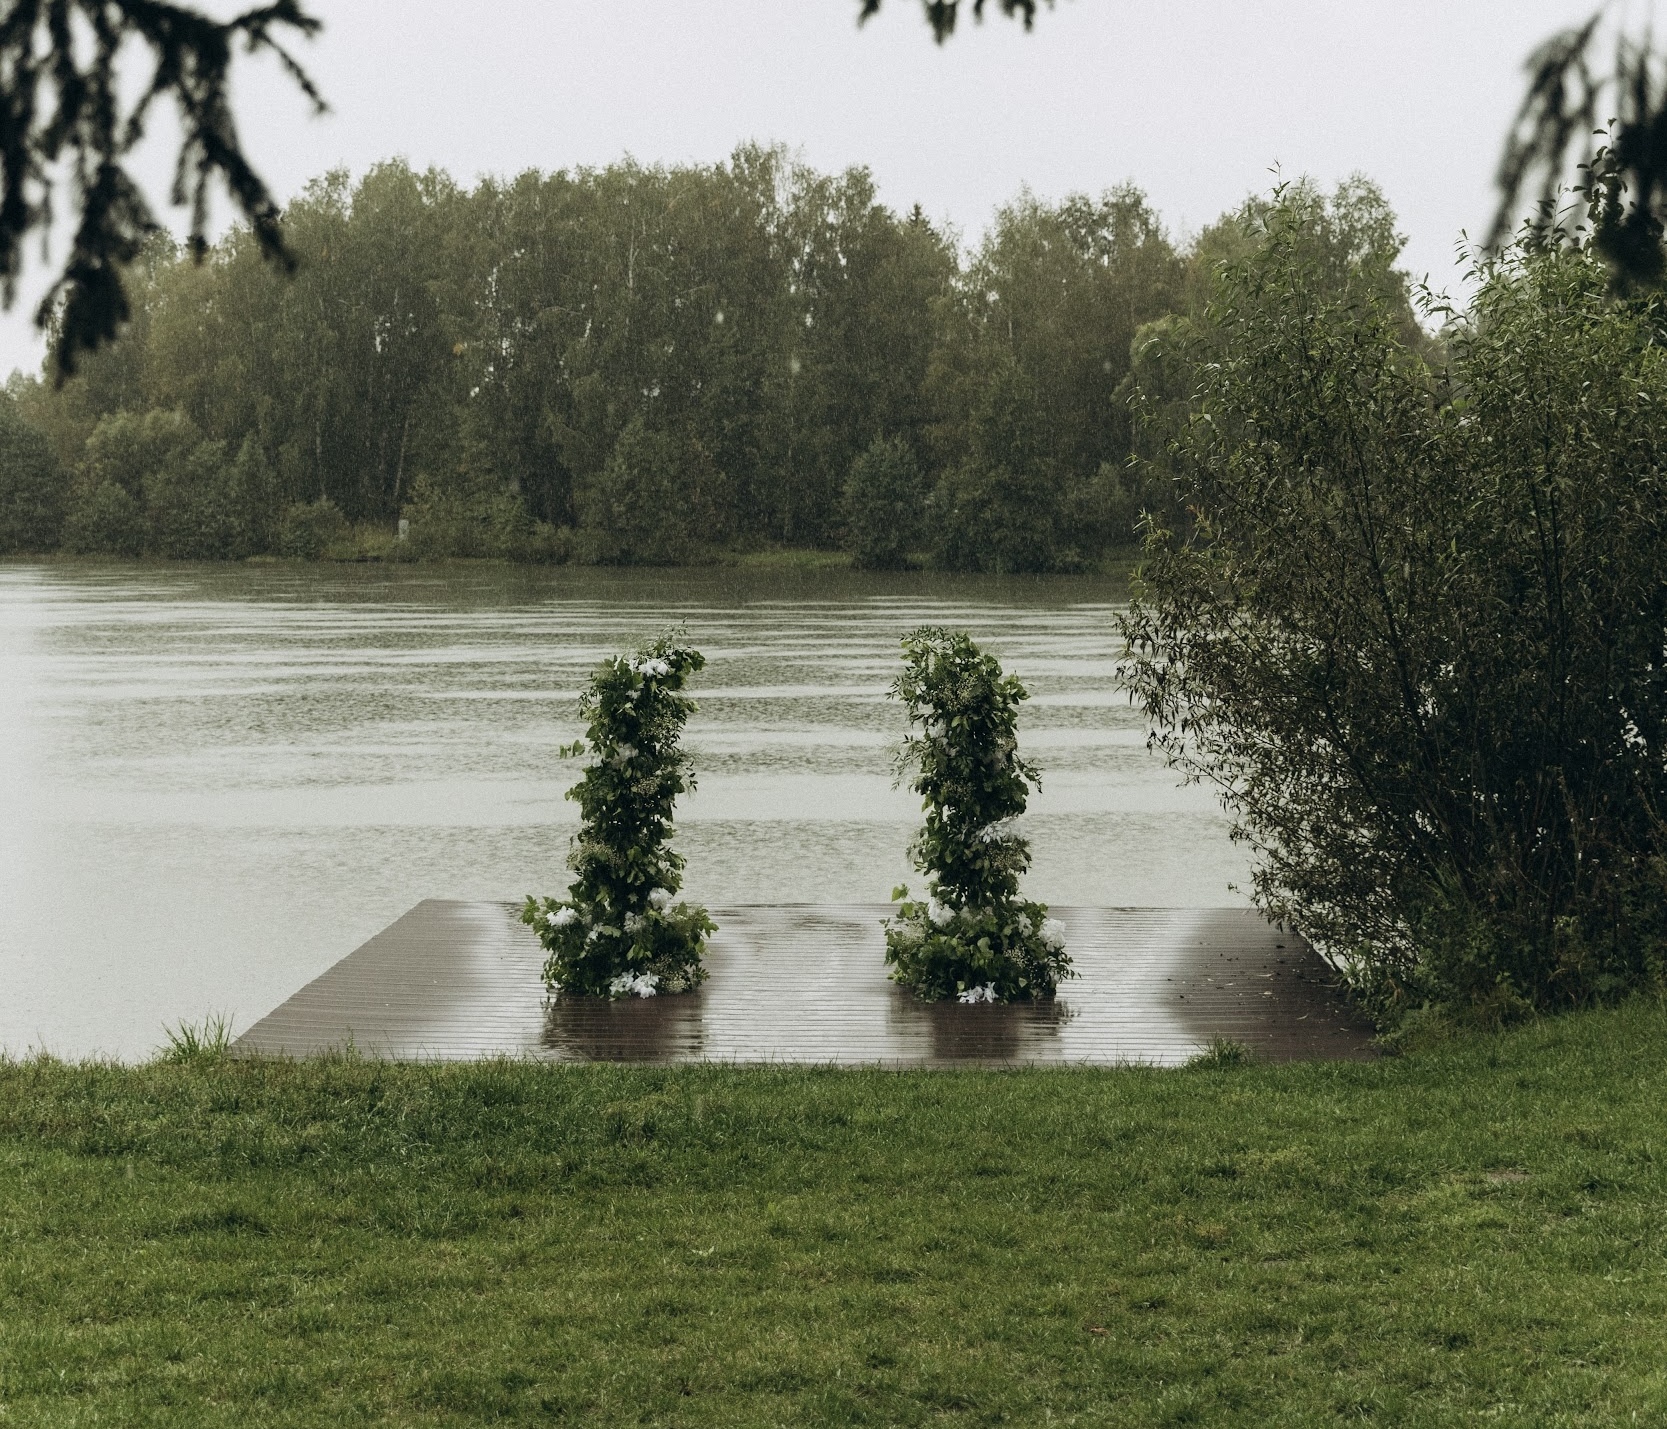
[{"x": 642, "y": 364}]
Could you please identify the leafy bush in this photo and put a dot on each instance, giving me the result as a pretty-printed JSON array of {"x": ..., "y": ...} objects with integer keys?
[
  {"x": 882, "y": 505},
  {"x": 104, "y": 519},
  {"x": 486, "y": 521},
  {"x": 998, "y": 509},
  {"x": 107, "y": 511},
  {"x": 1416, "y": 636},
  {"x": 203, "y": 507},
  {"x": 31, "y": 486},
  {"x": 308, "y": 529},
  {"x": 638, "y": 508},
  {"x": 973, "y": 937},
  {"x": 618, "y": 932}
]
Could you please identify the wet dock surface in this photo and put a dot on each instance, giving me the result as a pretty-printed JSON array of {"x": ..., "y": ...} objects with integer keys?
[{"x": 807, "y": 983}]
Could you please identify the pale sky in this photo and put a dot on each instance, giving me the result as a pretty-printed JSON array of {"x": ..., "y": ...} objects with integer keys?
[{"x": 1196, "y": 101}]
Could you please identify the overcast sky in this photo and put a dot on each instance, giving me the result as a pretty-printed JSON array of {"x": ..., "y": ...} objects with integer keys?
[{"x": 1196, "y": 101}]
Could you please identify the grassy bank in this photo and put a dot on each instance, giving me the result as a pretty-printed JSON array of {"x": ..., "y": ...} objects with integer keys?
[{"x": 1466, "y": 1233}]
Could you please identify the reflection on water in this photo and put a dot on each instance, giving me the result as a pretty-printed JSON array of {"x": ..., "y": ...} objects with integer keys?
[
  {"x": 979, "y": 1032},
  {"x": 216, "y": 781},
  {"x": 633, "y": 1029}
]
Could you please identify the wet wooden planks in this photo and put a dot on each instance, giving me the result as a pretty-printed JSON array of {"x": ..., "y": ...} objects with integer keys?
[{"x": 461, "y": 981}]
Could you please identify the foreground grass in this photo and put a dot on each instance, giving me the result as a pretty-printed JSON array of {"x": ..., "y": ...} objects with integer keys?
[{"x": 1470, "y": 1233}]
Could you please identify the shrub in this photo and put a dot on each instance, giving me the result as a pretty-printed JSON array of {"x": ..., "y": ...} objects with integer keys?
[
  {"x": 619, "y": 932},
  {"x": 124, "y": 454},
  {"x": 486, "y": 521},
  {"x": 1416, "y": 636},
  {"x": 639, "y": 508},
  {"x": 998, "y": 510},
  {"x": 31, "y": 486},
  {"x": 200, "y": 506},
  {"x": 973, "y": 938},
  {"x": 882, "y": 506},
  {"x": 308, "y": 529},
  {"x": 104, "y": 520}
]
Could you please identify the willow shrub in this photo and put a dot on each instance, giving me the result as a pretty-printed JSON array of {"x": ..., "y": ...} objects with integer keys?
[
  {"x": 621, "y": 931},
  {"x": 973, "y": 937},
  {"x": 1417, "y": 634}
]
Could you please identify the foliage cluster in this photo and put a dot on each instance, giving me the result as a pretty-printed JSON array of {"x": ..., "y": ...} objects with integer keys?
[
  {"x": 642, "y": 364},
  {"x": 31, "y": 486},
  {"x": 68, "y": 119},
  {"x": 1416, "y": 633},
  {"x": 1443, "y": 1238},
  {"x": 619, "y": 931},
  {"x": 882, "y": 506},
  {"x": 973, "y": 937}
]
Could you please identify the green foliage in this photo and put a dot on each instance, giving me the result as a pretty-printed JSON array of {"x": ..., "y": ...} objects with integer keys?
[
  {"x": 104, "y": 520},
  {"x": 1026, "y": 380},
  {"x": 882, "y": 505},
  {"x": 1416, "y": 634},
  {"x": 149, "y": 483},
  {"x": 619, "y": 933},
  {"x": 973, "y": 937},
  {"x": 484, "y": 522},
  {"x": 654, "y": 365},
  {"x": 204, "y": 507},
  {"x": 637, "y": 508},
  {"x": 999, "y": 509},
  {"x": 309, "y": 529},
  {"x": 663, "y": 363},
  {"x": 32, "y": 487}
]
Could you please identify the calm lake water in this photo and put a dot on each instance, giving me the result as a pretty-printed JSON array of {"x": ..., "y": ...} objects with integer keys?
[{"x": 216, "y": 781}]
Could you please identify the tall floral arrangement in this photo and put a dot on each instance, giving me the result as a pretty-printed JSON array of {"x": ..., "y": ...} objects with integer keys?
[
  {"x": 620, "y": 931},
  {"x": 973, "y": 937}
]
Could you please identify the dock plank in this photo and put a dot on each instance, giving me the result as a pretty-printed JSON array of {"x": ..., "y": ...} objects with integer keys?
[{"x": 807, "y": 983}]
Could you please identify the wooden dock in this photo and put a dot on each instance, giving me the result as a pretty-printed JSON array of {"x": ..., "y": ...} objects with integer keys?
[{"x": 461, "y": 981}]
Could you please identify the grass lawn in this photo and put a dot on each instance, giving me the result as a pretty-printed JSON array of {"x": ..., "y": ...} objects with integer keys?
[{"x": 1473, "y": 1234}]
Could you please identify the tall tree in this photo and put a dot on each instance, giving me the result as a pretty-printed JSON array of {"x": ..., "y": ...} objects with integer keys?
[{"x": 1027, "y": 375}]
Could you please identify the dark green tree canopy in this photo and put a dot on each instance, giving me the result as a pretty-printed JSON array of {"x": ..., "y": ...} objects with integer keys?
[{"x": 60, "y": 100}]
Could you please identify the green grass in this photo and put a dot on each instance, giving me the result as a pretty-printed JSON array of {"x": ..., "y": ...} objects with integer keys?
[{"x": 1471, "y": 1234}]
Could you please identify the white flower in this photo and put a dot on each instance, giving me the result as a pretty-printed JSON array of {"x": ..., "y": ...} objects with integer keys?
[
  {"x": 626, "y": 753},
  {"x": 1053, "y": 934},
  {"x": 1025, "y": 925},
  {"x": 633, "y": 922},
  {"x": 653, "y": 667},
  {"x": 940, "y": 914},
  {"x": 987, "y": 993},
  {"x": 660, "y": 899},
  {"x": 633, "y": 985},
  {"x": 561, "y": 917},
  {"x": 997, "y": 832}
]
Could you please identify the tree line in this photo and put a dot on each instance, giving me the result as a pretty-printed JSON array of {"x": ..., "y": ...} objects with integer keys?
[{"x": 631, "y": 364}]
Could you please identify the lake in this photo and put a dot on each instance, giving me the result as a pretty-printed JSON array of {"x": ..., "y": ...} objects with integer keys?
[{"x": 215, "y": 781}]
